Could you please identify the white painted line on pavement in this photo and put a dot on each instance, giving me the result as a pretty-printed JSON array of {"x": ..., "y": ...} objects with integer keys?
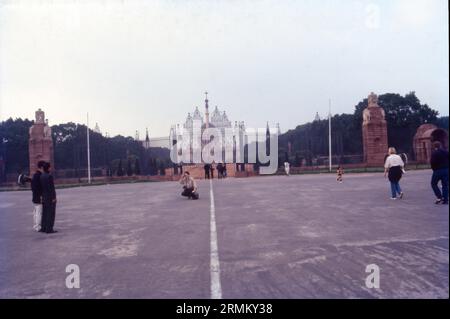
[{"x": 216, "y": 289}]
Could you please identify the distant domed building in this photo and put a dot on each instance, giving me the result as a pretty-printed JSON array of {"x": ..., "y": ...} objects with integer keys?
[{"x": 187, "y": 132}]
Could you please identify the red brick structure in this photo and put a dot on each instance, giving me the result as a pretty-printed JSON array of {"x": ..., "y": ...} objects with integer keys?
[
  {"x": 423, "y": 139},
  {"x": 374, "y": 130},
  {"x": 40, "y": 143}
]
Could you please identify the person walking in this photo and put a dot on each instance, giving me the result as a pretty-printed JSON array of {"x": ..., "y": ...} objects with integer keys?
[
  {"x": 439, "y": 165},
  {"x": 287, "y": 168},
  {"x": 36, "y": 190},
  {"x": 189, "y": 186},
  {"x": 48, "y": 200},
  {"x": 393, "y": 169}
]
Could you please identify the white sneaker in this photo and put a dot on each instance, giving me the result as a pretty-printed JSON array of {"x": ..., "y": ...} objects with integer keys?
[{"x": 393, "y": 198}]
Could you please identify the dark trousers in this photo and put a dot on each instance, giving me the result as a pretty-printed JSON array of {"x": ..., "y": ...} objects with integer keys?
[
  {"x": 48, "y": 216},
  {"x": 440, "y": 175},
  {"x": 187, "y": 192},
  {"x": 207, "y": 174}
]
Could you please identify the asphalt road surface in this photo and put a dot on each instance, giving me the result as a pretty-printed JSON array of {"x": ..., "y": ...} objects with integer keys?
[{"x": 264, "y": 237}]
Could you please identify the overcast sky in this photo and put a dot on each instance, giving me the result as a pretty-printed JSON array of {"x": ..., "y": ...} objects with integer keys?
[{"x": 138, "y": 64}]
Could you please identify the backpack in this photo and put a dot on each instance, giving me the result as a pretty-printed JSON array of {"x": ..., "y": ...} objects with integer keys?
[{"x": 195, "y": 195}]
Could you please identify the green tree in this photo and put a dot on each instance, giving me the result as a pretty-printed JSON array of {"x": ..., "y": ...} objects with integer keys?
[
  {"x": 14, "y": 144},
  {"x": 137, "y": 167},
  {"x": 120, "y": 169},
  {"x": 404, "y": 114},
  {"x": 129, "y": 168}
]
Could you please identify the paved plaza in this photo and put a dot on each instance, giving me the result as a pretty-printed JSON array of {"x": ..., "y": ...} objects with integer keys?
[{"x": 302, "y": 236}]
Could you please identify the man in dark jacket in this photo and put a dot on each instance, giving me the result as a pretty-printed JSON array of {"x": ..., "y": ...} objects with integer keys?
[
  {"x": 439, "y": 165},
  {"x": 207, "y": 169},
  {"x": 48, "y": 200},
  {"x": 36, "y": 189}
]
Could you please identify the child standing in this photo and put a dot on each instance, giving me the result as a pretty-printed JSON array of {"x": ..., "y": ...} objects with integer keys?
[{"x": 340, "y": 172}]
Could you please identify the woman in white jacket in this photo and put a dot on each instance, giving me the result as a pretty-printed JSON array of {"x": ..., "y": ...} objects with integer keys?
[{"x": 393, "y": 169}]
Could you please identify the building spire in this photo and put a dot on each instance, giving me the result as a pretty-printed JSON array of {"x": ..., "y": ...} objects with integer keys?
[
  {"x": 147, "y": 139},
  {"x": 97, "y": 129},
  {"x": 317, "y": 118},
  {"x": 206, "y": 109}
]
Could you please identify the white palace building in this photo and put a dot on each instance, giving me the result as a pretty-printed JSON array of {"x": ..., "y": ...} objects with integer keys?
[{"x": 187, "y": 132}]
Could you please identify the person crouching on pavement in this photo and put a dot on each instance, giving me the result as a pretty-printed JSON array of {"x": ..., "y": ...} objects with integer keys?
[{"x": 189, "y": 186}]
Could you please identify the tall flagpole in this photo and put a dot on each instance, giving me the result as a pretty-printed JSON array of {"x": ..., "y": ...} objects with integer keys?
[
  {"x": 329, "y": 134},
  {"x": 88, "y": 150}
]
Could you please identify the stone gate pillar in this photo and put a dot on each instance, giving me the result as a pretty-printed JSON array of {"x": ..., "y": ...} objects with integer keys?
[
  {"x": 40, "y": 143},
  {"x": 374, "y": 129}
]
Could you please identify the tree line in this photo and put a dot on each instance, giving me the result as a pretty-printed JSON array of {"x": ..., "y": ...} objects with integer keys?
[
  {"x": 404, "y": 114},
  {"x": 118, "y": 155},
  {"x": 306, "y": 144}
]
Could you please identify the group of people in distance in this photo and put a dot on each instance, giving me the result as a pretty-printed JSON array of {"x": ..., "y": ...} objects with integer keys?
[
  {"x": 189, "y": 186},
  {"x": 394, "y": 168},
  {"x": 190, "y": 189},
  {"x": 44, "y": 198},
  {"x": 221, "y": 171},
  {"x": 44, "y": 194}
]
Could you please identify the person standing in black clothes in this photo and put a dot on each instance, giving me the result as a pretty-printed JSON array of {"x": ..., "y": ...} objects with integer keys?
[
  {"x": 36, "y": 189},
  {"x": 439, "y": 165},
  {"x": 207, "y": 169},
  {"x": 48, "y": 200},
  {"x": 224, "y": 171},
  {"x": 219, "y": 170},
  {"x": 212, "y": 170}
]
